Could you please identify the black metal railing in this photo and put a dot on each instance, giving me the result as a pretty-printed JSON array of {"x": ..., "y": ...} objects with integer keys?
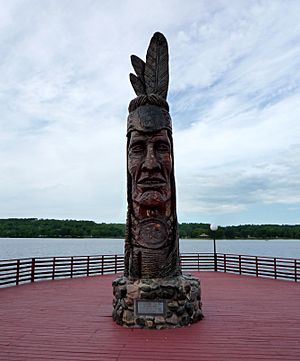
[
  {"x": 259, "y": 266},
  {"x": 26, "y": 270}
]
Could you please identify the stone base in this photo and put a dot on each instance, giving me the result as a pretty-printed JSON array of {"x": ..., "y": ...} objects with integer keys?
[{"x": 172, "y": 302}]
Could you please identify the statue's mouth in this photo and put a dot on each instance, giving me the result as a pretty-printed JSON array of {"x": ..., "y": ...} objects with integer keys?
[{"x": 149, "y": 182}]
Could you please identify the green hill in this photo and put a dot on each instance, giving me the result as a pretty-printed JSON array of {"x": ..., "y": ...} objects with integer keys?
[{"x": 53, "y": 228}]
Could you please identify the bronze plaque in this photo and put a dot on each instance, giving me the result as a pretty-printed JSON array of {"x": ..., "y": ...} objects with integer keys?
[{"x": 149, "y": 307}]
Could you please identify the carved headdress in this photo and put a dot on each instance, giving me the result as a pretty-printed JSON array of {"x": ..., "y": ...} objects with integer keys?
[{"x": 149, "y": 111}]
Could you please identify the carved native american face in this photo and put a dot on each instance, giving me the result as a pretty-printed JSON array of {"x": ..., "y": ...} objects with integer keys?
[
  {"x": 151, "y": 243},
  {"x": 150, "y": 167}
]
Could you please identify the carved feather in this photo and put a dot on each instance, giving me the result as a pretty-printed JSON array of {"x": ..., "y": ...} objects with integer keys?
[
  {"x": 157, "y": 66},
  {"x": 137, "y": 84},
  {"x": 138, "y": 66}
]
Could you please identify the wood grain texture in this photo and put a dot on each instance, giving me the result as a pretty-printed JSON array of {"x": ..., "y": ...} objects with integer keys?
[
  {"x": 138, "y": 80},
  {"x": 246, "y": 318},
  {"x": 157, "y": 66},
  {"x": 137, "y": 84}
]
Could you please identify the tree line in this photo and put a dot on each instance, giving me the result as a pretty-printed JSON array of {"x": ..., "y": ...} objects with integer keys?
[{"x": 53, "y": 228}]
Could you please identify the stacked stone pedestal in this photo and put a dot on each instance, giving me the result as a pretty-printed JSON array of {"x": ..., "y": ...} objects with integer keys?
[{"x": 179, "y": 298}]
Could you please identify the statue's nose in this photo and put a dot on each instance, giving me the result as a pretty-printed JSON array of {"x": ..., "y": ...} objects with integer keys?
[{"x": 150, "y": 163}]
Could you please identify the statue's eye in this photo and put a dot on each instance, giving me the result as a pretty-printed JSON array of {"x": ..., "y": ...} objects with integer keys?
[
  {"x": 137, "y": 148},
  {"x": 162, "y": 147}
]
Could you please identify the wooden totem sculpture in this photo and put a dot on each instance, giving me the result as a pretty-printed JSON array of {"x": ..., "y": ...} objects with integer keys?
[
  {"x": 151, "y": 245},
  {"x": 152, "y": 293}
]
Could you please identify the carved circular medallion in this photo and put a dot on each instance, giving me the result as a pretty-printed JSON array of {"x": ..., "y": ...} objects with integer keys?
[{"x": 152, "y": 233}]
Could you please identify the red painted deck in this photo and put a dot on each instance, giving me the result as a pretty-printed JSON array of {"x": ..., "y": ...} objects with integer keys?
[{"x": 246, "y": 318}]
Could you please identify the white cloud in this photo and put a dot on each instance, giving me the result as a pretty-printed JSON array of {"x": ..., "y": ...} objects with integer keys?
[
  {"x": 251, "y": 159},
  {"x": 234, "y": 96}
]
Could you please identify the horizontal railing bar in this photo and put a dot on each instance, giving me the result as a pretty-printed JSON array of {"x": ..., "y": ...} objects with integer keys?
[
  {"x": 286, "y": 277},
  {"x": 15, "y": 264},
  {"x": 21, "y": 279},
  {"x": 7, "y": 282},
  {"x": 260, "y": 257},
  {"x": 22, "y": 266},
  {"x": 196, "y": 255},
  {"x": 24, "y": 274},
  {"x": 48, "y": 277},
  {"x": 8, "y": 269},
  {"x": 195, "y": 261},
  {"x": 196, "y": 267},
  {"x": 8, "y": 277},
  {"x": 196, "y": 258},
  {"x": 39, "y": 259},
  {"x": 62, "y": 257},
  {"x": 290, "y": 274},
  {"x": 261, "y": 272},
  {"x": 22, "y": 260},
  {"x": 34, "y": 269},
  {"x": 13, "y": 282},
  {"x": 10, "y": 264}
]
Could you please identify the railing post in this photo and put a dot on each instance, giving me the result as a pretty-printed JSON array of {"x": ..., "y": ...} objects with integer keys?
[
  {"x": 215, "y": 255},
  {"x": 102, "y": 265},
  {"x": 256, "y": 266},
  {"x": 18, "y": 272},
  {"x": 88, "y": 266},
  {"x": 275, "y": 268},
  {"x": 53, "y": 268},
  {"x": 296, "y": 276},
  {"x": 72, "y": 261},
  {"x": 198, "y": 261},
  {"x": 32, "y": 269},
  {"x": 116, "y": 263},
  {"x": 225, "y": 263},
  {"x": 240, "y": 264}
]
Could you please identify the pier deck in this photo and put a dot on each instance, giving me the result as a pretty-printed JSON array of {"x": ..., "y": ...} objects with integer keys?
[{"x": 246, "y": 318}]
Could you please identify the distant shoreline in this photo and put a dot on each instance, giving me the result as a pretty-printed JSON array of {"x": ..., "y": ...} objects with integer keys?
[{"x": 53, "y": 228}]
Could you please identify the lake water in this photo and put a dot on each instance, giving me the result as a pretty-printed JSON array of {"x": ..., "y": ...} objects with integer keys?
[{"x": 49, "y": 247}]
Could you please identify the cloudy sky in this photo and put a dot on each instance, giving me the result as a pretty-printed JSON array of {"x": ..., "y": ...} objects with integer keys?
[{"x": 234, "y": 98}]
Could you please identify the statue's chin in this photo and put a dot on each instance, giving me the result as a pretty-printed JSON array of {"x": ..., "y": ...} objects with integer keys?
[{"x": 151, "y": 198}]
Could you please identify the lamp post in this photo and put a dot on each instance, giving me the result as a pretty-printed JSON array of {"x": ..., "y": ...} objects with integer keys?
[{"x": 214, "y": 228}]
